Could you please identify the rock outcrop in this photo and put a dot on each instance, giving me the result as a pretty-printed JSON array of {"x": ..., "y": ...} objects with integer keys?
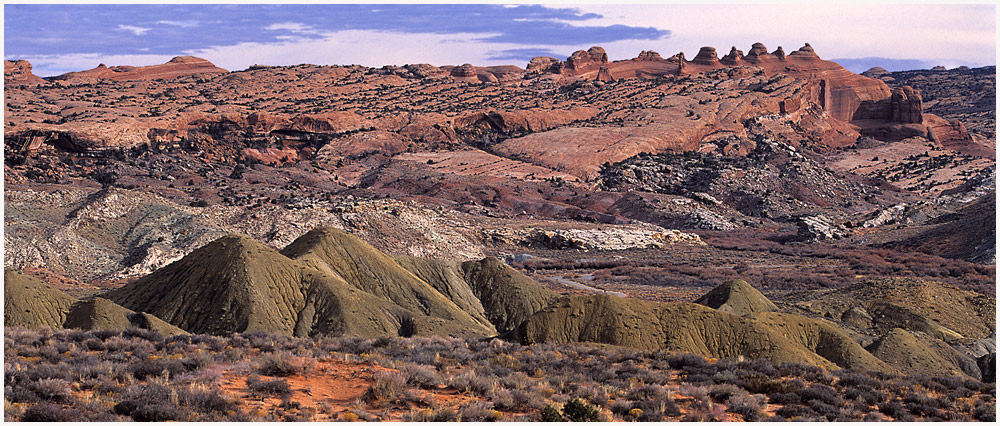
[{"x": 19, "y": 72}]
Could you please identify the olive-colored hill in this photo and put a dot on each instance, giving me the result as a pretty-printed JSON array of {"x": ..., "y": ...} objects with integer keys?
[
  {"x": 508, "y": 296},
  {"x": 940, "y": 310},
  {"x": 333, "y": 284},
  {"x": 446, "y": 277},
  {"x": 737, "y": 297},
  {"x": 363, "y": 266},
  {"x": 681, "y": 327},
  {"x": 913, "y": 356},
  {"x": 30, "y": 303},
  {"x": 102, "y": 314},
  {"x": 823, "y": 338},
  {"x": 235, "y": 284}
]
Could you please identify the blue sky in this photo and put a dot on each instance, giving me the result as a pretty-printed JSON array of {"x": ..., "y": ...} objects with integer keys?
[{"x": 61, "y": 38}]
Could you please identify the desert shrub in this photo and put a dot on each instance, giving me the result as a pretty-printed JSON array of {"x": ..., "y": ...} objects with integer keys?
[
  {"x": 46, "y": 371},
  {"x": 474, "y": 411},
  {"x": 874, "y": 416},
  {"x": 751, "y": 407},
  {"x": 20, "y": 394},
  {"x": 551, "y": 414},
  {"x": 758, "y": 383},
  {"x": 387, "y": 387},
  {"x": 848, "y": 378},
  {"x": 276, "y": 387},
  {"x": 895, "y": 410},
  {"x": 723, "y": 392},
  {"x": 48, "y": 412},
  {"x": 784, "y": 398},
  {"x": 421, "y": 376},
  {"x": 94, "y": 344},
  {"x": 647, "y": 392},
  {"x": 830, "y": 412},
  {"x": 280, "y": 364},
  {"x": 205, "y": 401},
  {"x": 157, "y": 412},
  {"x": 591, "y": 392},
  {"x": 578, "y": 411},
  {"x": 471, "y": 382},
  {"x": 866, "y": 395},
  {"x": 704, "y": 412},
  {"x": 681, "y": 361},
  {"x": 820, "y": 393},
  {"x": 657, "y": 409},
  {"x": 131, "y": 332},
  {"x": 798, "y": 412},
  {"x": 518, "y": 380},
  {"x": 985, "y": 412},
  {"x": 55, "y": 390},
  {"x": 156, "y": 367}
]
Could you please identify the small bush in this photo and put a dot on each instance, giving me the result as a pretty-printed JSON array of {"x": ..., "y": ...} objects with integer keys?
[
  {"x": 475, "y": 411},
  {"x": 55, "y": 390},
  {"x": 276, "y": 387},
  {"x": 387, "y": 387},
  {"x": 48, "y": 412},
  {"x": 157, "y": 412},
  {"x": 551, "y": 414},
  {"x": 421, "y": 376},
  {"x": 280, "y": 364},
  {"x": 578, "y": 411},
  {"x": 751, "y": 407}
]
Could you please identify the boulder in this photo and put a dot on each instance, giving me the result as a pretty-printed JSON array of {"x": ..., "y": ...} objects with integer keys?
[{"x": 820, "y": 228}]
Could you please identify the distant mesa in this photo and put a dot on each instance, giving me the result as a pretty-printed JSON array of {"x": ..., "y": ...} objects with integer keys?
[{"x": 177, "y": 67}]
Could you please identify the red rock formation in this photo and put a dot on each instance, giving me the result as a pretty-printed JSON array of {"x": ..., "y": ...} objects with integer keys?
[
  {"x": 541, "y": 64},
  {"x": 466, "y": 70},
  {"x": 586, "y": 60},
  {"x": 649, "y": 55},
  {"x": 906, "y": 105},
  {"x": 735, "y": 57},
  {"x": 604, "y": 75},
  {"x": 177, "y": 67},
  {"x": 706, "y": 56},
  {"x": 19, "y": 72}
]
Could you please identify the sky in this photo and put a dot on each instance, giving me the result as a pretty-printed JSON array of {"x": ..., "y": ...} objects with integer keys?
[{"x": 72, "y": 37}]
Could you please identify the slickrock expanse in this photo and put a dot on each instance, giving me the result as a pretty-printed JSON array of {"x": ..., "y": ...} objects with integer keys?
[{"x": 761, "y": 235}]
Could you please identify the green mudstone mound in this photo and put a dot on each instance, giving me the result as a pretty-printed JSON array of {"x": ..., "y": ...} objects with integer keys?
[
  {"x": 913, "y": 356},
  {"x": 103, "y": 314},
  {"x": 737, "y": 297},
  {"x": 446, "y": 277},
  {"x": 680, "y": 327},
  {"x": 369, "y": 270},
  {"x": 30, "y": 303},
  {"x": 825, "y": 339},
  {"x": 508, "y": 296},
  {"x": 940, "y": 310},
  {"x": 235, "y": 284}
]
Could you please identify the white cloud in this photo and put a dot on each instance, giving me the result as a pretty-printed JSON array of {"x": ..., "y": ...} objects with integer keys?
[
  {"x": 293, "y": 27},
  {"x": 365, "y": 47},
  {"x": 182, "y": 24},
  {"x": 134, "y": 29}
]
